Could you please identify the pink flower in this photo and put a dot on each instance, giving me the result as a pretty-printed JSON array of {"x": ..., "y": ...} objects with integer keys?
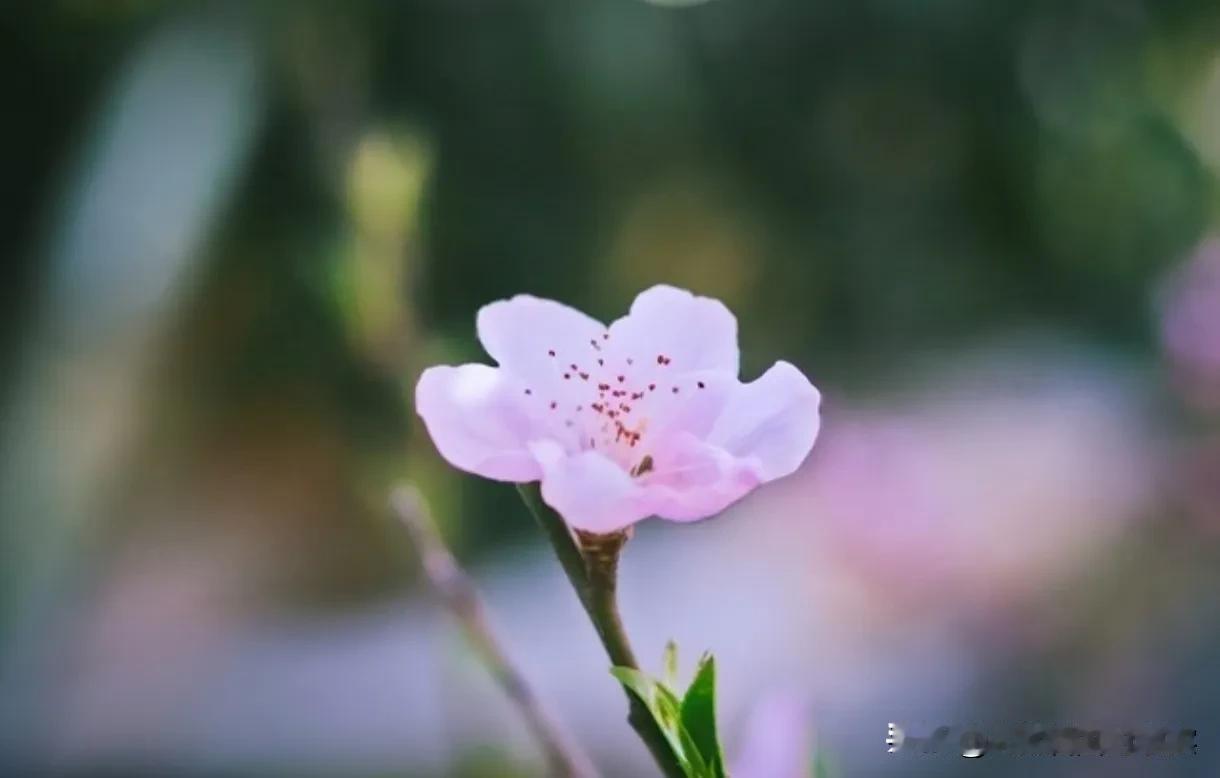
[
  {"x": 646, "y": 417},
  {"x": 1190, "y": 323}
]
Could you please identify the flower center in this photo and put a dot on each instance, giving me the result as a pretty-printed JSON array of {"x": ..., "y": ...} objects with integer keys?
[{"x": 603, "y": 398}]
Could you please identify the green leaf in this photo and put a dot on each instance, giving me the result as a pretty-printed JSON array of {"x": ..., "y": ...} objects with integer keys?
[
  {"x": 666, "y": 710},
  {"x": 699, "y": 715},
  {"x": 671, "y": 664}
]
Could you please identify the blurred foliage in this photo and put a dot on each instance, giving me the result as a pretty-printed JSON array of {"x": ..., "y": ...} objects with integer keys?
[
  {"x": 862, "y": 181},
  {"x": 859, "y": 180}
]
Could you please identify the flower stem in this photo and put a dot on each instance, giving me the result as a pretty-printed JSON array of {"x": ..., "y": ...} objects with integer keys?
[
  {"x": 591, "y": 566},
  {"x": 457, "y": 593}
]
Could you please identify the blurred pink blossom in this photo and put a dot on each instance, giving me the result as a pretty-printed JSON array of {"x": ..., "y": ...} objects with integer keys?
[
  {"x": 644, "y": 417},
  {"x": 986, "y": 494},
  {"x": 778, "y": 740},
  {"x": 1190, "y": 323}
]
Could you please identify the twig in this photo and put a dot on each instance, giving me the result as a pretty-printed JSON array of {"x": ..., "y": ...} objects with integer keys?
[
  {"x": 458, "y": 594},
  {"x": 593, "y": 573}
]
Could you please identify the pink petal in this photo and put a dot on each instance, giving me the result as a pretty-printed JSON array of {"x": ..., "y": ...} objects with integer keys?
[
  {"x": 699, "y": 402},
  {"x": 693, "y": 480},
  {"x": 694, "y": 333},
  {"x": 537, "y": 339},
  {"x": 476, "y": 416},
  {"x": 588, "y": 490},
  {"x": 773, "y": 419}
]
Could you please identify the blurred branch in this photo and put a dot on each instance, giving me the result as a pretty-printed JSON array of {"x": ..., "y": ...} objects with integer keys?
[{"x": 458, "y": 594}]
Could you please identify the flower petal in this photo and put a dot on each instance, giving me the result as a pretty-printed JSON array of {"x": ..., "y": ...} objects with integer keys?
[
  {"x": 694, "y": 480},
  {"x": 478, "y": 422},
  {"x": 699, "y": 401},
  {"x": 588, "y": 490},
  {"x": 535, "y": 339},
  {"x": 773, "y": 419},
  {"x": 693, "y": 333}
]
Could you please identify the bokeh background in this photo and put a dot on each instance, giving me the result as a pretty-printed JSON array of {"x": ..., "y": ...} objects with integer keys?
[{"x": 234, "y": 233}]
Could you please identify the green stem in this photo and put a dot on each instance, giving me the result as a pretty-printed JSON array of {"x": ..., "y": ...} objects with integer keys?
[
  {"x": 593, "y": 573},
  {"x": 560, "y": 536}
]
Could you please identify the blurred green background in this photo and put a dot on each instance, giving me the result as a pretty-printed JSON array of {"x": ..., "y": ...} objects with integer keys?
[{"x": 234, "y": 233}]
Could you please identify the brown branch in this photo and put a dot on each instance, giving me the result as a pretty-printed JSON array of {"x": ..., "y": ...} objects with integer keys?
[{"x": 457, "y": 593}]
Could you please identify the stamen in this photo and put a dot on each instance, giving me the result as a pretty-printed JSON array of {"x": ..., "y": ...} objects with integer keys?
[{"x": 645, "y": 465}]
